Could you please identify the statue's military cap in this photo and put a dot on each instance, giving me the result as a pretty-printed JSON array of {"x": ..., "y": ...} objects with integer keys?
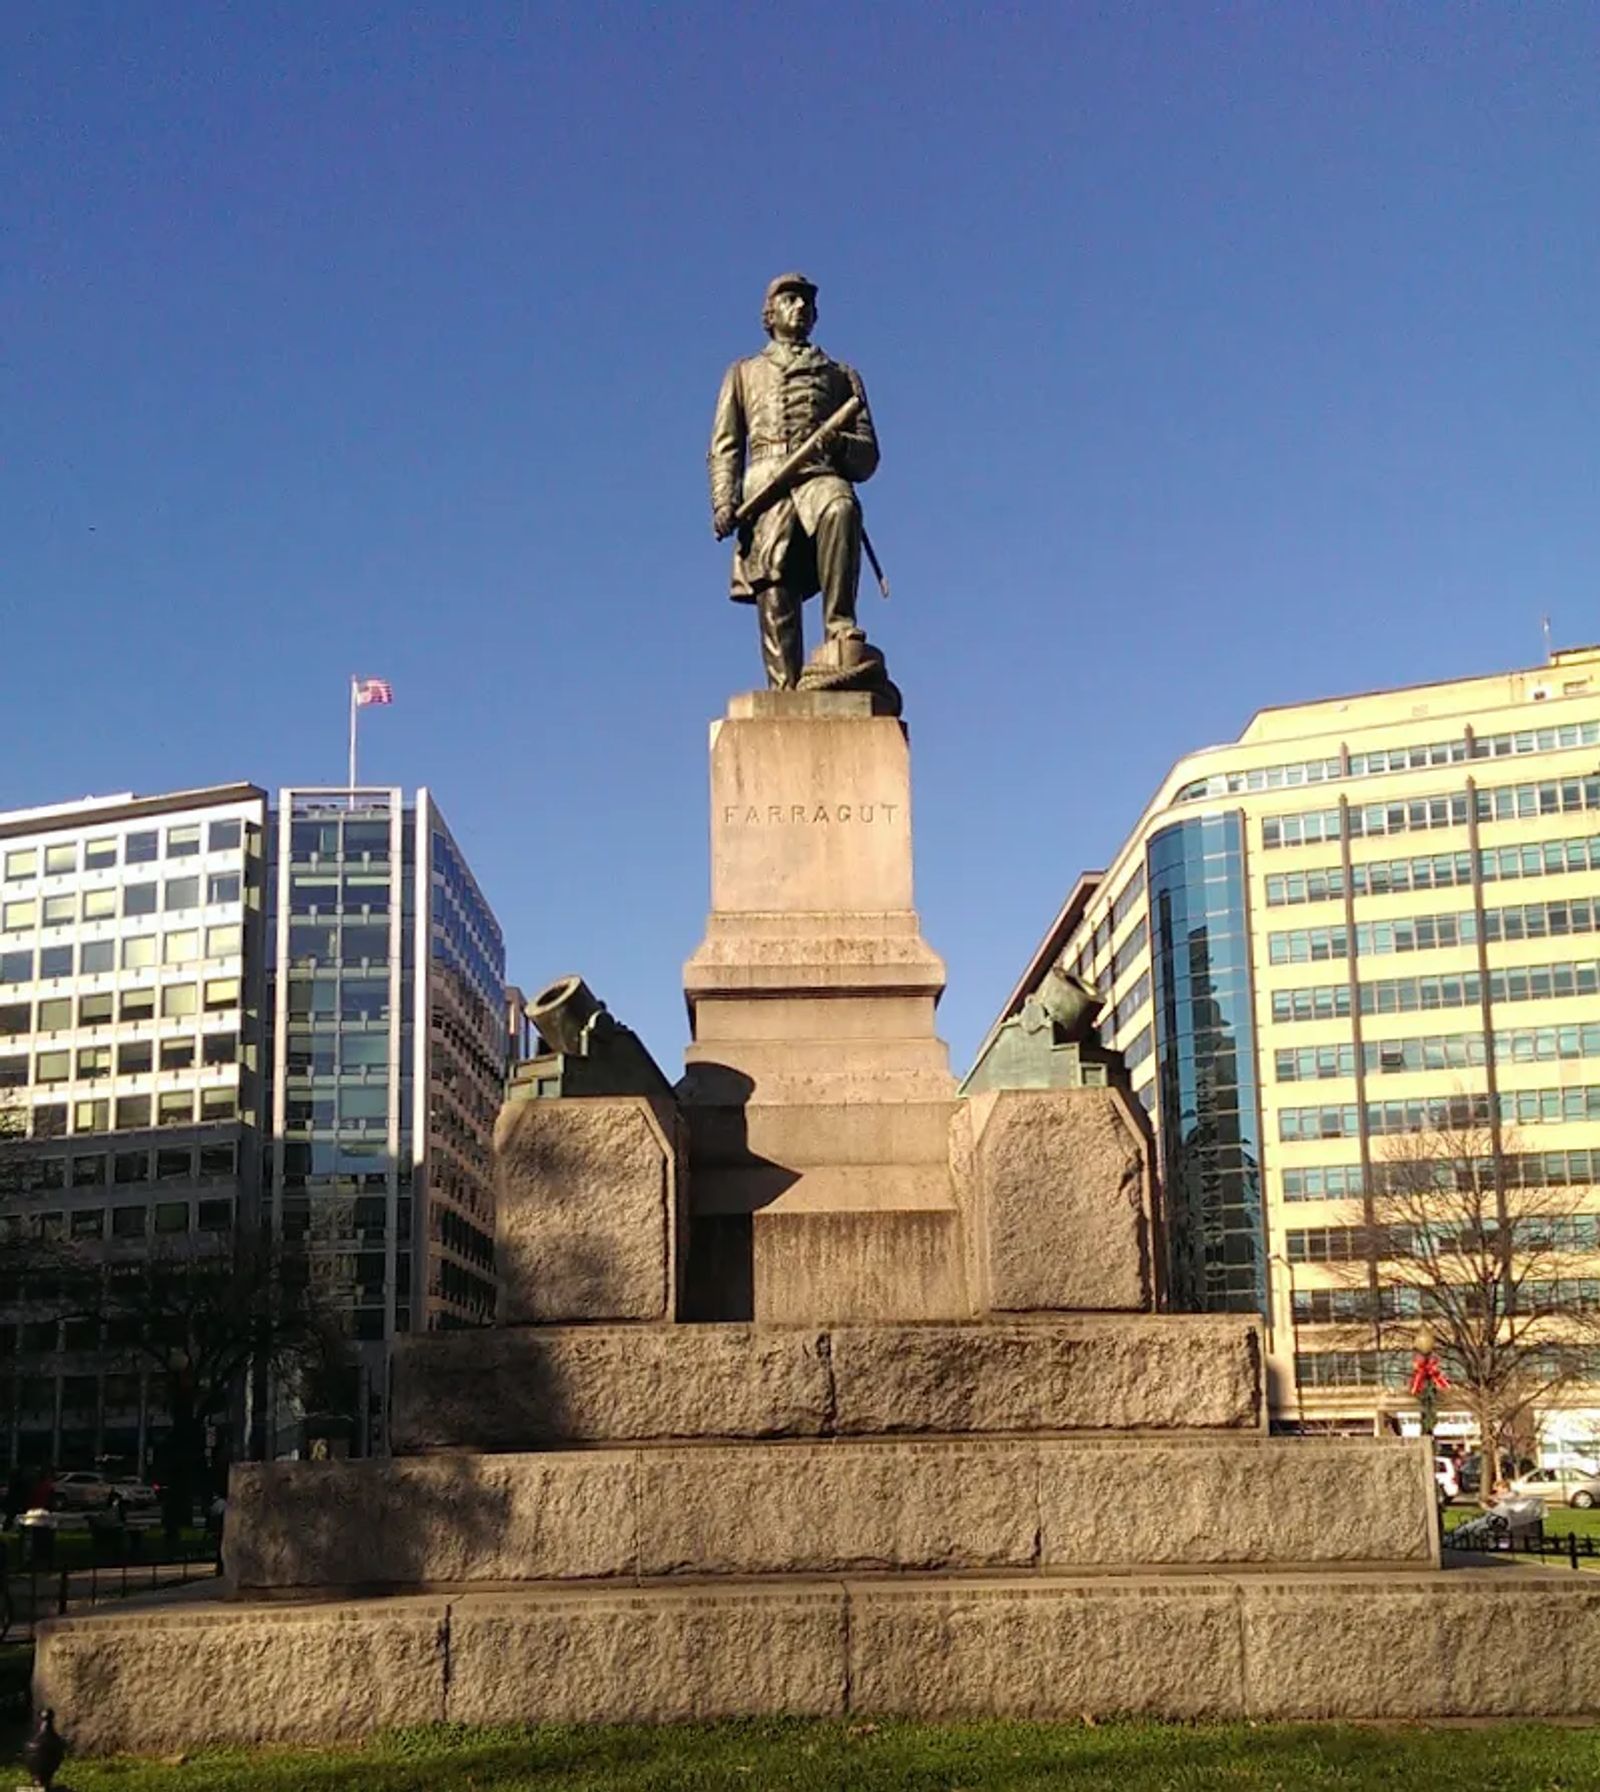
[{"x": 791, "y": 283}]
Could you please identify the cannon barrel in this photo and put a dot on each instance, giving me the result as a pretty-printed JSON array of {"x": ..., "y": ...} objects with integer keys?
[
  {"x": 561, "y": 1011},
  {"x": 1071, "y": 1004}
]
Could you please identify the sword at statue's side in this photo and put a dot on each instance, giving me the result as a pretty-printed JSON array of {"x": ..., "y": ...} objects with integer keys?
[
  {"x": 877, "y": 565},
  {"x": 792, "y": 465}
]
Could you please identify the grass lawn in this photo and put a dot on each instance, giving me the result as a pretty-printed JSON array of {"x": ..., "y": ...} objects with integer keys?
[
  {"x": 1558, "y": 1520},
  {"x": 878, "y": 1757}
]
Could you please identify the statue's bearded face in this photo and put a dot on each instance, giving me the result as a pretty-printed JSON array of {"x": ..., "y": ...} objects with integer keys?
[{"x": 791, "y": 316}]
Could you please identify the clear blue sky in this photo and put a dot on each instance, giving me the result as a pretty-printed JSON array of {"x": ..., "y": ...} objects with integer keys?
[{"x": 1221, "y": 356}]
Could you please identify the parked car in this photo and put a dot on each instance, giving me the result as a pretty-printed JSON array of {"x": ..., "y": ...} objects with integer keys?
[
  {"x": 81, "y": 1490},
  {"x": 130, "y": 1492},
  {"x": 1559, "y": 1486},
  {"x": 1444, "y": 1473}
]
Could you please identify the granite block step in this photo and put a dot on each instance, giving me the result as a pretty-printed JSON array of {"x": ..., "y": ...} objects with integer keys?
[
  {"x": 151, "y": 1676},
  {"x": 745, "y": 1510},
  {"x": 541, "y": 1387}
]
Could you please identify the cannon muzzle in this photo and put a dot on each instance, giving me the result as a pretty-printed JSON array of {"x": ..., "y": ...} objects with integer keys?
[{"x": 562, "y": 1010}]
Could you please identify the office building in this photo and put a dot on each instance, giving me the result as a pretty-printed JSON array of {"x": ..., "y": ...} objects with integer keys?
[
  {"x": 1364, "y": 918},
  {"x": 389, "y": 1045},
  {"x": 131, "y": 1045},
  {"x": 216, "y": 1015}
]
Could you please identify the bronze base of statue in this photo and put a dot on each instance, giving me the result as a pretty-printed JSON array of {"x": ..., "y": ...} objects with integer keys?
[{"x": 849, "y": 662}]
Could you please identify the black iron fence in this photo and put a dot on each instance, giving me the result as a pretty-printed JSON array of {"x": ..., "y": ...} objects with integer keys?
[
  {"x": 1529, "y": 1540},
  {"x": 40, "y": 1579}
]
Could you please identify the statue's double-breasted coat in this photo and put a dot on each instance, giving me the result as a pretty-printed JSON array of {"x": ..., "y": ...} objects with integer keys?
[{"x": 768, "y": 405}]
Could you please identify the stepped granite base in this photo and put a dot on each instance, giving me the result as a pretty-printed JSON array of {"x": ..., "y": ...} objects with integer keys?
[{"x": 1484, "y": 1642}]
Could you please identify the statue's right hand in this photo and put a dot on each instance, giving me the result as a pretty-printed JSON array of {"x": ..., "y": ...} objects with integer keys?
[{"x": 722, "y": 522}]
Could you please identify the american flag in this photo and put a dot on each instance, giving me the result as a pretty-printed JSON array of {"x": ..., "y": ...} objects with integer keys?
[{"x": 372, "y": 690}]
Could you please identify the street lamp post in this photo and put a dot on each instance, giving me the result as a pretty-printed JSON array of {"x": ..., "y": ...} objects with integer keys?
[{"x": 1427, "y": 1378}]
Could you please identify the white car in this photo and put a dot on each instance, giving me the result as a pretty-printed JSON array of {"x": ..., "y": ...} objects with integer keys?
[
  {"x": 1449, "y": 1482},
  {"x": 82, "y": 1490},
  {"x": 1558, "y": 1486}
]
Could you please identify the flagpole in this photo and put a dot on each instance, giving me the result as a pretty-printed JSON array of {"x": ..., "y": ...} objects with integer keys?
[{"x": 352, "y": 734}]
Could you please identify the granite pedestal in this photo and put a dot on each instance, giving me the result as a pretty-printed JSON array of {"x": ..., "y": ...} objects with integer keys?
[{"x": 821, "y": 1389}]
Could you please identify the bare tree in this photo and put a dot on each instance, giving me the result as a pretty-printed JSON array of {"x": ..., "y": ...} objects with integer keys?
[
  {"x": 198, "y": 1314},
  {"x": 1462, "y": 1241},
  {"x": 13, "y": 1129}
]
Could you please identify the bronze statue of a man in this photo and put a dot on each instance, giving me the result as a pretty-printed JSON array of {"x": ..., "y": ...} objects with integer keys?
[{"x": 808, "y": 537}]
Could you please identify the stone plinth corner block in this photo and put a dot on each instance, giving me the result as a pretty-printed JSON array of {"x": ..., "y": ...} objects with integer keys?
[
  {"x": 1057, "y": 1189},
  {"x": 587, "y": 1208}
]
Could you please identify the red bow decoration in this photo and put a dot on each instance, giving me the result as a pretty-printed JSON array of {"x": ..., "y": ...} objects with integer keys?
[{"x": 1426, "y": 1373}]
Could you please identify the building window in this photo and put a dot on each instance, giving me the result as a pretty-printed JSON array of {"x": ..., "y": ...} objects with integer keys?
[
  {"x": 58, "y": 911},
  {"x": 23, "y": 863},
  {"x": 99, "y": 905},
  {"x": 313, "y": 943},
  {"x": 215, "y": 1216},
  {"x": 136, "y": 1004},
  {"x": 55, "y": 1014},
  {"x": 222, "y": 993},
  {"x": 96, "y": 956},
  {"x": 88, "y": 1172},
  {"x": 130, "y": 1166},
  {"x": 138, "y": 899},
  {"x": 15, "y": 1017},
  {"x": 183, "y": 842},
  {"x": 15, "y": 916},
  {"x": 174, "y": 1163},
  {"x": 177, "y": 1054},
  {"x": 365, "y": 945},
  {"x": 182, "y": 892},
  {"x": 52, "y": 1067},
  {"x": 99, "y": 855},
  {"x": 172, "y": 1216},
  {"x": 175, "y": 1107},
  {"x": 182, "y": 947},
  {"x": 88, "y": 1222},
  {"x": 178, "y": 1000},
  {"x": 139, "y": 952},
  {"x": 61, "y": 858},
  {"x": 91, "y": 1116},
  {"x": 54, "y": 962},
  {"x": 143, "y": 848},
  {"x": 219, "y": 1161},
  {"x": 223, "y": 886},
  {"x": 221, "y": 1048},
  {"x": 224, "y": 942},
  {"x": 96, "y": 1010},
  {"x": 50, "y": 1120},
  {"x": 93, "y": 1061},
  {"x": 128, "y": 1222},
  {"x": 132, "y": 1110},
  {"x": 16, "y": 967},
  {"x": 219, "y": 1104}
]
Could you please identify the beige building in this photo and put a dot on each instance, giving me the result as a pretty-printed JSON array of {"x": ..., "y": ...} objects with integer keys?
[{"x": 1333, "y": 932}]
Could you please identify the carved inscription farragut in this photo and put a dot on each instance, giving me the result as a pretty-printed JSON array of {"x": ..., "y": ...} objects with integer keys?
[{"x": 806, "y": 814}]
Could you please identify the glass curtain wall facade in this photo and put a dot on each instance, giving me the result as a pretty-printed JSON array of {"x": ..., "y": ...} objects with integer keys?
[
  {"x": 1366, "y": 919},
  {"x": 388, "y": 1067},
  {"x": 132, "y": 1042},
  {"x": 1209, "y": 1117}
]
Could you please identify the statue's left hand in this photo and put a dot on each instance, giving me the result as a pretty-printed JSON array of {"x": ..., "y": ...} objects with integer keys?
[{"x": 722, "y": 522}]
